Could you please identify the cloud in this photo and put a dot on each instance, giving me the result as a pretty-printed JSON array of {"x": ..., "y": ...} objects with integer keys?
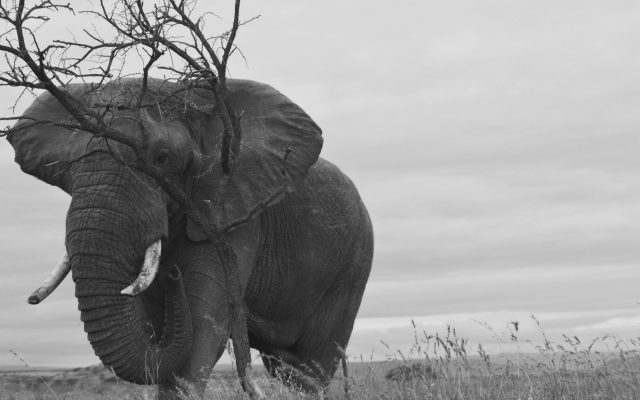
[
  {"x": 547, "y": 288},
  {"x": 444, "y": 221}
]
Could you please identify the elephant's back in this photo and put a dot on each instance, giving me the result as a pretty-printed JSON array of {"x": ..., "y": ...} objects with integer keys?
[
  {"x": 310, "y": 239},
  {"x": 332, "y": 196},
  {"x": 326, "y": 205}
]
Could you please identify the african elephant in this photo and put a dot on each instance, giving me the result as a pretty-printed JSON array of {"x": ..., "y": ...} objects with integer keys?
[{"x": 300, "y": 232}]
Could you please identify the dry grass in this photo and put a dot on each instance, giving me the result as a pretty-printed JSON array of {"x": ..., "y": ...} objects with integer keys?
[{"x": 438, "y": 367}]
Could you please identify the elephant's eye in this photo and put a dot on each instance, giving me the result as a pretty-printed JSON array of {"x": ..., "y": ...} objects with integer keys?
[{"x": 162, "y": 158}]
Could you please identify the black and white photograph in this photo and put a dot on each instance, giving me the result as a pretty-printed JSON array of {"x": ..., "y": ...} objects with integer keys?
[{"x": 355, "y": 200}]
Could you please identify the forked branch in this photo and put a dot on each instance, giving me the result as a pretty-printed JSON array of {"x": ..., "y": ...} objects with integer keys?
[{"x": 167, "y": 36}]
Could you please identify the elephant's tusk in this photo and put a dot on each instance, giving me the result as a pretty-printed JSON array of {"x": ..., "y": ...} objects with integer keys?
[
  {"x": 53, "y": 280},
  {"x": 148, "y": 271}
]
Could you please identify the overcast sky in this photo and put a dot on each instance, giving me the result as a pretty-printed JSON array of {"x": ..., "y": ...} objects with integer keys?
[{"x": 495, "y": 145}]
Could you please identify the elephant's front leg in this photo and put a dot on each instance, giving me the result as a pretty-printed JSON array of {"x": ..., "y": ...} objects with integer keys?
[{"x": 208, "y": 301}]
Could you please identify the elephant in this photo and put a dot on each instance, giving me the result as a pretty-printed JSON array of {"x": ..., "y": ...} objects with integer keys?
[{"x": 301, "y": 234}]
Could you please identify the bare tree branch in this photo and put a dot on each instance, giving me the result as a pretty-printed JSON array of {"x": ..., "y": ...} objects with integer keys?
[{"x": 153, "y": 34}]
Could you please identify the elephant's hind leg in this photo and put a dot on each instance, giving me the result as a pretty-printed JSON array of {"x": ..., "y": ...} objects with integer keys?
[{"x": 312, "y": 361}]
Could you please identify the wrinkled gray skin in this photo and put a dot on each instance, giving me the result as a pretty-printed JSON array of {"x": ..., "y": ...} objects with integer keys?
[{"x": 304, "y": 260}]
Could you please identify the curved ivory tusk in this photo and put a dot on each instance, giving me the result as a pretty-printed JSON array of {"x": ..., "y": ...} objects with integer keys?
[
  {"x": 148, "y": 271},
  {"x": 53, "y": 280}
]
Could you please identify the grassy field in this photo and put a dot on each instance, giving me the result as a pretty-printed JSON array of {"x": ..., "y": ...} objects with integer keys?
[{"x": 438, "y": 367}]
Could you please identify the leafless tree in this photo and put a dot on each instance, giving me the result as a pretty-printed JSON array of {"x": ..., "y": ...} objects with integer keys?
[{"x": 167, "y": 36}]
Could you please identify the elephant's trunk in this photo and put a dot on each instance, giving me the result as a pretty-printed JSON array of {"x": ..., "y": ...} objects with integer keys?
[
  {"x": 124, "y": 340},
  {"x": 114, "y": 216}
]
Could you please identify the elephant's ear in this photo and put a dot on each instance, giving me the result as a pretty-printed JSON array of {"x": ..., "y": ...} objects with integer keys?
[
  {"x": 279, "y": 144},
  {"x": 44, "y": 149}
]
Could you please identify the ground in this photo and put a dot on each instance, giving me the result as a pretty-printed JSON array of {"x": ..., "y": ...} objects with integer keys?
[
  {"x": 456, "y": 378},
  {"x": 441, "y": 367}
]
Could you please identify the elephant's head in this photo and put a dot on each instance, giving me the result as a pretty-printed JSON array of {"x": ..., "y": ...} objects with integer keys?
[{"x": 118, "y": 214}]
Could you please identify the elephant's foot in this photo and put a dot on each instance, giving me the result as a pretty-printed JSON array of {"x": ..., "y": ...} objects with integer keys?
[
  {"x": 251, "y": 387},
  {"x": 285, "y": 366}
]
